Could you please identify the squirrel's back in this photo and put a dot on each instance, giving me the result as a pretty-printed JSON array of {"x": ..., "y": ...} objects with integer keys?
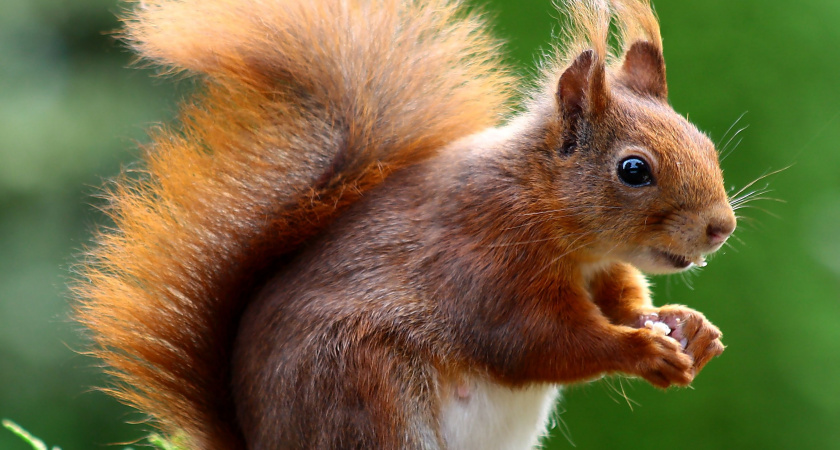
[{"x": 302, "y": 107}]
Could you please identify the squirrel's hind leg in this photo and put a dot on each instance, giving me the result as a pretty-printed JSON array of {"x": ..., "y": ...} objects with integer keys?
[{"x": 332, "y": 389}]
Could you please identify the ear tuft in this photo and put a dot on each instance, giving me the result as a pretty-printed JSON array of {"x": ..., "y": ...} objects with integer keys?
[
  {"x": 643, "y": 70},
  {"x": 581, "y": 96},
  {"x": 571, "y": 91},
  {"x": 582, "y": 88}
]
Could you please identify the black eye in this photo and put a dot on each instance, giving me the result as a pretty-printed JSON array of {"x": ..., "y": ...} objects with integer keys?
[{"x": 634, "y": 171}]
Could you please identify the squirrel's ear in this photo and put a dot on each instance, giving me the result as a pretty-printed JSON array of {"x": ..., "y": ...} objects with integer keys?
[
  {"x": 644, "y": 70},
  {"x": 582, "y": 90}
]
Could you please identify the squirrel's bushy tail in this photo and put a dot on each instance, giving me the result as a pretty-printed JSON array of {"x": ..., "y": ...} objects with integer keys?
[{"x": 302, "y": 107}]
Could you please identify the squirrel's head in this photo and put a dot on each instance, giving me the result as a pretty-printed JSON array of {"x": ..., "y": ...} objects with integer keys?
[{"x": 631, "y": 174}]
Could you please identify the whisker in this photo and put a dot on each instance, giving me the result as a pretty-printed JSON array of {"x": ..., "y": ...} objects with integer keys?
[
  {"x": 747, "y": 222},
  {"x": 755, "y": 197},
  {"x": 737, "y": 239},
  {"x": 758, "y": 208},
  {"x": 686, "y": 279},
  {"x": 740, "y": 218},
  {"x": 751, "y": 183},
  {"x": 728, "y": 151},
  {"x": 731, "y": 247},
  {"x": 743, "y": 204},
  {"x": 762, "y": 190},
  {"x": 733, "y": 125}
]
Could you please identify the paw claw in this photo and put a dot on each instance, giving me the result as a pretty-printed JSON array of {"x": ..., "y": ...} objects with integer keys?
[
  {"x": 696, "y": 336},
  {"x": 662, "y": 362}
]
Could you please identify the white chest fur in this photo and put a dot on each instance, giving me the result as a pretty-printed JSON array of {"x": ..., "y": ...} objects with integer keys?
[{"x": 479, "y": 414}]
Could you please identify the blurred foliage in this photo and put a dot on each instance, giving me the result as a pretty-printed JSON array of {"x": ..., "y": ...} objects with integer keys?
[
  {"x": 25, "y": 436},
  {"x": 154, "y": 440},
  {"x": 70, "y": 112}
]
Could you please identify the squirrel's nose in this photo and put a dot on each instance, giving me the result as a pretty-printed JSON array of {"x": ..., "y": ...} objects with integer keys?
[{"x": 719, "y": 229}]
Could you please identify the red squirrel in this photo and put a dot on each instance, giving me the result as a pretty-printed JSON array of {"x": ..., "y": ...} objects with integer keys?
[{"x": 348, "y": 240}]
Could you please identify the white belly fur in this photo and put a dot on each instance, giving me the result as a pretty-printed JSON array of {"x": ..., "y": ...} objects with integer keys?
[{"x": 480, "y": 414}]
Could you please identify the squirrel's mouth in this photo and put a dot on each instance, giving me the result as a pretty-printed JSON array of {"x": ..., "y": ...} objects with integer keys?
[{"x": 680, "y": 261}]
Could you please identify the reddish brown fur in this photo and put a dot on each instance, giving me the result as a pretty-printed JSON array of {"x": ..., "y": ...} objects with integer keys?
[{"x": 503, "y": 255}]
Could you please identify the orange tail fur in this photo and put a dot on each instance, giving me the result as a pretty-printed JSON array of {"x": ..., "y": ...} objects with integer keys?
[{"x": 303, "y": 106}]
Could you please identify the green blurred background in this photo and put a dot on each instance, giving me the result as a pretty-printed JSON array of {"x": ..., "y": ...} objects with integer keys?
[{"x": 71, "y": 112}]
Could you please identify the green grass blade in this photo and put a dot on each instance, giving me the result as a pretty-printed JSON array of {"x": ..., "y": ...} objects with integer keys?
[{"x": 36, "y": 443}]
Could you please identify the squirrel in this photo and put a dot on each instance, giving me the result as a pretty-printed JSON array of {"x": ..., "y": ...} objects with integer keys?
[{"x": 352, "y": 238}]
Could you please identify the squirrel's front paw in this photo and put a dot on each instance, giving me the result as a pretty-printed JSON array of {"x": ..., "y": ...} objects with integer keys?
[
  {"x": 697, "y": 336},
  {"x": 661, "y": 361}
]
